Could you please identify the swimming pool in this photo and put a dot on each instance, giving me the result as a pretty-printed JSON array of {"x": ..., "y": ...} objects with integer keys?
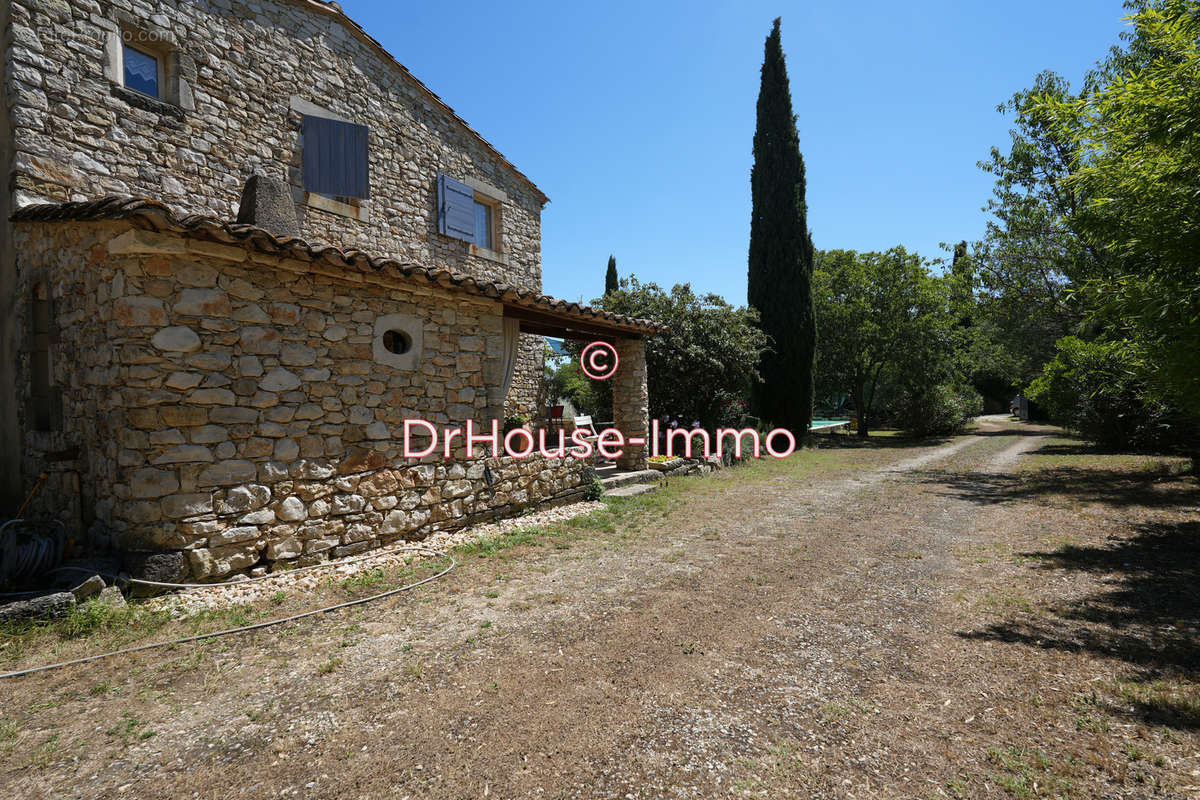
[{"x": 820, "y": 424}]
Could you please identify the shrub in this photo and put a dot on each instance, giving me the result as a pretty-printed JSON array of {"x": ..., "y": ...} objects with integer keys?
[
  {"x": 512, "y": 423},
  {"x": 594, "y": 490},
  {"x": 936, "y": 410},
  {"x": 1098, "y": 390}
]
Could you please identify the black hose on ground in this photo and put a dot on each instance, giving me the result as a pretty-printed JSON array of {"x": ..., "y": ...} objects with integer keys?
[{"x": 257, "y": 625}]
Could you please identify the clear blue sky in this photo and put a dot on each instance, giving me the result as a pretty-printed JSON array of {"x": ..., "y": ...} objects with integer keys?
[{"x": 636, "y": 118}]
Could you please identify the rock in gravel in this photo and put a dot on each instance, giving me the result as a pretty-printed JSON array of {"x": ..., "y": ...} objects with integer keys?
[
  {"x": 111, "y": 596},
  {"x": 48, "y": 606},
  {"x": 89, "y": 588},
  {"x": 170, "y": 567}
]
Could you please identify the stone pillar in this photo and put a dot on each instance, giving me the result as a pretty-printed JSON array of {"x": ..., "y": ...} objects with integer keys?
[{"x": 631, "y": 402}]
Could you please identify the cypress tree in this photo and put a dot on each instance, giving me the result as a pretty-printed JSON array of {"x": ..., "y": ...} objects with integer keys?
[
  {"x": 611, "y": 284},
  {"x": 781, "y": 254}
]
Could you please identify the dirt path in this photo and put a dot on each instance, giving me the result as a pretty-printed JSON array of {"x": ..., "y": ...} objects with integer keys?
[{"x": 850, "y": 631}]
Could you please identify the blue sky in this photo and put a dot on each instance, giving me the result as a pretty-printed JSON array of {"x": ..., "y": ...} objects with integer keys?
[{"x": 637, "y": 118}]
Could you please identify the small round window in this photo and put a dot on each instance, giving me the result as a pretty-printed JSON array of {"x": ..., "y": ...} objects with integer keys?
[{"x": 397, "y": 342}]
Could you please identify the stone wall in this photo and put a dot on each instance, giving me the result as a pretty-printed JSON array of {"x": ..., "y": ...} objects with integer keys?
[
  {"x": 526, "y": 396},
  {"x": 247, "y": 68},
  {"x": 232, "y": 405}
]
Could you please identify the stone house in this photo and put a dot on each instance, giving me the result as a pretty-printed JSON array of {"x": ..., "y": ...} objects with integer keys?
[{"x": 243, "y": 244}]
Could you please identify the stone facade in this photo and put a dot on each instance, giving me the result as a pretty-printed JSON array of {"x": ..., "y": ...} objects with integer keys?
[
  {"x": 228, "y": 404},
  {"x": 235, "y": 397},
  {"x": 237, "y": 78}
]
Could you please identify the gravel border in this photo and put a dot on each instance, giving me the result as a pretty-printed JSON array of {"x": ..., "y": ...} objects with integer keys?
[{"x": 191, "y": 601}]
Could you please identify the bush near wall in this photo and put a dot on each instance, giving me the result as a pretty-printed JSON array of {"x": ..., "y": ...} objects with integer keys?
[{"x": 1099, "y": 390}]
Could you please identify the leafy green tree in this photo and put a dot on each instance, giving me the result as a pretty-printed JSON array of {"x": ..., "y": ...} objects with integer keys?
[
  {"x": 567, "y": 381},
  {"x": 886, "y": 320},
  {"x": 699, "y": 369},
  {"x": 611, "y": 282},
  {"x": 781, "y": 254},
  {"x": 1034, "y": 251},
  {"x": 1136, "y": 141}
]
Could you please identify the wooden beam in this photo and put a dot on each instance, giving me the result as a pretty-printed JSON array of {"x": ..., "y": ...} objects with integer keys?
[{"x": 566, "y": 327}]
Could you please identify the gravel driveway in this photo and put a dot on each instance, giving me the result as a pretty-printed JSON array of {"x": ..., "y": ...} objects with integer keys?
[{"x": 876, "y": 622}]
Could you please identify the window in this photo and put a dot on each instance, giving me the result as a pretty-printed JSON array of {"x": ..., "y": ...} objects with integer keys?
[
  {"x": 142, "y": 71},
  {"x": 398, "y": 341},
  {"x": 469, "y": 213},
  {"x": 335, "y": 158},
  {"x": 483, "y": 225},
  {"x": 148, "y": 67}
]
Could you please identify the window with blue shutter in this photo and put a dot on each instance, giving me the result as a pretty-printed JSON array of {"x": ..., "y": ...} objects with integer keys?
[
  {"x": 335, "y": 158},
  {"x": 456, "y": 209},
  {"x": 483, "y": 225}
]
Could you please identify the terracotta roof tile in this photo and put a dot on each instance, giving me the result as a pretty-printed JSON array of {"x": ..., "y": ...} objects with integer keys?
[{"x": 156, "y": 216}]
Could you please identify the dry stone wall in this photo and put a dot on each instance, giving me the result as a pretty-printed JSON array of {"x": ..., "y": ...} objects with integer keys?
[
  {"x": 230, "y": 406},
  {"x": 246, "y": 67}
]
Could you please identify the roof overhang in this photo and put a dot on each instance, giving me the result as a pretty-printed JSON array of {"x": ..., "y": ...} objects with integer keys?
[{"x": 154, "y": 226}]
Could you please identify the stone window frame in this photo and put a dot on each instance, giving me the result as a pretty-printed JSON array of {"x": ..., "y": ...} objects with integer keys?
[
  {"x": 411, "y": 326},
  {"x": 177, "y": 70},
  {"x": 494, "y": 199},
  {"x": 352, "y": 207}
]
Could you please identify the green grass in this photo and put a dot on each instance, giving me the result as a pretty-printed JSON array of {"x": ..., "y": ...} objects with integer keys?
[{"x": 1029, "y": 772}]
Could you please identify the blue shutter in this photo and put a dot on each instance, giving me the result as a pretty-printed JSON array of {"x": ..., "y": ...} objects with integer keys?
[
  {"x": 456, "y": 209},
  {"x": 335, "y": 158}
]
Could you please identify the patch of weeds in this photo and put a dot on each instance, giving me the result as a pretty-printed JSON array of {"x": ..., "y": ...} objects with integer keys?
[
  {"x": 835, "y": 710},
  {"x": 487, "y": 623},
  {"x": 129, "y": 730},
  {"x": 43, "y": 705},
  {"x": 1007, "y": 601},
  {"x": 1169, "y": 702},
  {"x": 957, "y": 788},
  {"x": 492, "y": 593},
  {"x": 8, "y": 729},
  {"x": 364, "y": 580},
  {"x": 786, "y": 760},
  {"x": 329, "y": 666},
  {"x": 688, "y": 648},
  {"x": 490, "y": 546},
  {"x": 278, "y": 598},
  {"x": 414, "y": 669},
  {"x": 1028, "y": 772},
  {"x": 1091, "y": 724},
  {"x": 757, "y": 580},
  {"x": 47, "y": 750}
]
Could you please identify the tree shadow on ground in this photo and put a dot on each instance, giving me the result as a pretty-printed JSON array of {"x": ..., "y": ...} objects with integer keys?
[
  {"x": 845, "y": 441},
  {"x": 1158, "y": 487},
  {"x": 1147, "y": 615}
]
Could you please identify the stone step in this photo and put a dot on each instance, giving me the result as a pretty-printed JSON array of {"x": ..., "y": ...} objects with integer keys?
[
  {"x": 628, "y": 478},
  {"x": 632, "y": 491}
]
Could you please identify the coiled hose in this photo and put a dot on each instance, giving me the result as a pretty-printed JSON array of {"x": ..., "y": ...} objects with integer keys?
[
  {"x": 257, "y": 625},
  {"x": 30, "y": 548}
]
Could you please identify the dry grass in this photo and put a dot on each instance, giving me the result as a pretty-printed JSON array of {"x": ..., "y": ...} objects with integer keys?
[{"x": 983, "y": 625}]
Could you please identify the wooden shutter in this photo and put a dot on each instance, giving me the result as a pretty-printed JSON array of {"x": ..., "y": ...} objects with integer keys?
[
  {"x": 456, "y": 209},
  {"x": 335, "y": 158}
]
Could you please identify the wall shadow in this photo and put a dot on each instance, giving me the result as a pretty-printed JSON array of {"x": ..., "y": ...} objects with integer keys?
[{"x": 1147, "y": 615}]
